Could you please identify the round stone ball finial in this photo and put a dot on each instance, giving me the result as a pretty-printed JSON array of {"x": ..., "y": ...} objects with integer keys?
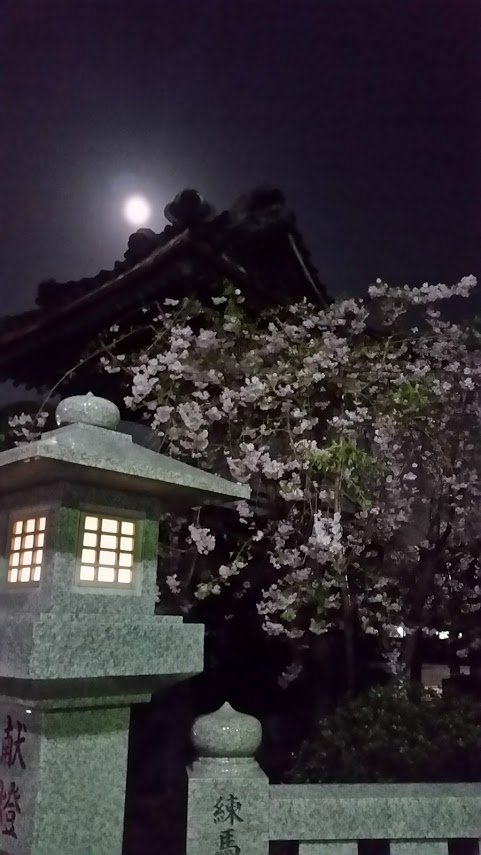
[
  {"x": 227, "y": 733},
  {"x": 88, "y": 410}
]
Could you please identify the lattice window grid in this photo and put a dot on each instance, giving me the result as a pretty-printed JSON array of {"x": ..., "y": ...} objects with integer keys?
[
  {"x": 25, "y": 557},
  {"x": 107, "y": 551}
]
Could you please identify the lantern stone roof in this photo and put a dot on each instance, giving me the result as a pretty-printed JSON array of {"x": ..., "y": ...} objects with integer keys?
[
  {"x": 87, "y": 447},
  {"x": 255, "y": 245}
]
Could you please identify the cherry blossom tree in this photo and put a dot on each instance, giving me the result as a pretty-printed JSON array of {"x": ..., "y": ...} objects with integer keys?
[{"x": 356, "y": 427}]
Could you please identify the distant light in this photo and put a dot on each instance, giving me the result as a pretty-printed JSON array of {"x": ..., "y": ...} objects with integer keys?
[
  {"x": 136, "y": 210},
  {"x": 443, "y": 635},
  {"x": 401, "y": 631}
]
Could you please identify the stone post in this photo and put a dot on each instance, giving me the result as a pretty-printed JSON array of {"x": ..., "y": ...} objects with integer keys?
[{"x": 228, "y": 806}]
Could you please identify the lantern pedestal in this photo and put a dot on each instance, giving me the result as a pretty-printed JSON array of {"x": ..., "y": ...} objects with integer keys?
[
  {"x": 64, "y": 729},
  {"x": 63, "y": 778}
]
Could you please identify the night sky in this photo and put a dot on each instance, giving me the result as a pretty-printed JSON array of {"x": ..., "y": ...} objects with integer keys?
[{"x": 366, "y": 113}]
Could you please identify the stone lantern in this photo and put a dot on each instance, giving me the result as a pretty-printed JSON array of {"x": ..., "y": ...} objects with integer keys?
[{"x": 79, "y": 640}]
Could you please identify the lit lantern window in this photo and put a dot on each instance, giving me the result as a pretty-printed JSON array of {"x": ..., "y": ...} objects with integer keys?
[
  {"x": 26, "y": 550},
  {"x": 107, "y": 551}
]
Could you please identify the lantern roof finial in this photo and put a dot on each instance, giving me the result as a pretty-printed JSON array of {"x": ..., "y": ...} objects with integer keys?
[
  {"x": 227, "y": 733},
  {"x": 88, "y": 409},
  {"x": 86, "y": 443}
]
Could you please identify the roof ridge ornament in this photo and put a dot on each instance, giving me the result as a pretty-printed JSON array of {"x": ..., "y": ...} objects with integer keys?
[{"x": 188, "y": 209}]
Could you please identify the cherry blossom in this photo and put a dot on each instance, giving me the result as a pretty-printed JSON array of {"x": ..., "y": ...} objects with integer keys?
[{"x": 356, "y": 426}]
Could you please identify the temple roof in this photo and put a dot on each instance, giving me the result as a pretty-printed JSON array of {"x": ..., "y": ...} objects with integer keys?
[{"x": 255, "y": 245}]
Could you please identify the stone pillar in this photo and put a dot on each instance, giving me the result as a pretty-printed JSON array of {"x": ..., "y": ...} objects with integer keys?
[
  {"x": 228, "y": 806},
  {"x": 62, "y": 777}
]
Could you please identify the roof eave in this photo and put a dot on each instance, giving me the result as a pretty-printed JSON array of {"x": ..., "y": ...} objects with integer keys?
[{"x": 18, "y": 343}]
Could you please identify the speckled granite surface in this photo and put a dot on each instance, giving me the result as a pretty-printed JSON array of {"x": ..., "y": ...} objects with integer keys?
[
  {"x": 375, "y": 811},
  {"x": 421, "y": 847},
  {"x": 328, "y": 848},
  {"x": 69, "y": 798},
  {"x": 396, "y": 848},
  {"x": 226, "y": 733},
  {"x": 209, "y": 796},
  {"x": 19, "y": 776},
  {"x": 82, "y": 782},
  {"x": 89, "y": 646},
  {"x": 94, "y": 453}
]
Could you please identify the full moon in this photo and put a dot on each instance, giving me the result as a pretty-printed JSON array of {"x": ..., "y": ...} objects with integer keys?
[{"x": 136, "y": 210}]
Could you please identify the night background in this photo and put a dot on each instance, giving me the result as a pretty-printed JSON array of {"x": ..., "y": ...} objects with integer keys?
[{"x": 366, "y": 114}]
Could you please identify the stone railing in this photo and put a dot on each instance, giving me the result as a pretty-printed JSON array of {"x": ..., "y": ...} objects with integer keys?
[{"x": 233, "y": 810}]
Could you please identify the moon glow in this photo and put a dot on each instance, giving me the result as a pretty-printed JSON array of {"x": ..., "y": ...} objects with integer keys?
[{"x": 136, "y": 210}]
